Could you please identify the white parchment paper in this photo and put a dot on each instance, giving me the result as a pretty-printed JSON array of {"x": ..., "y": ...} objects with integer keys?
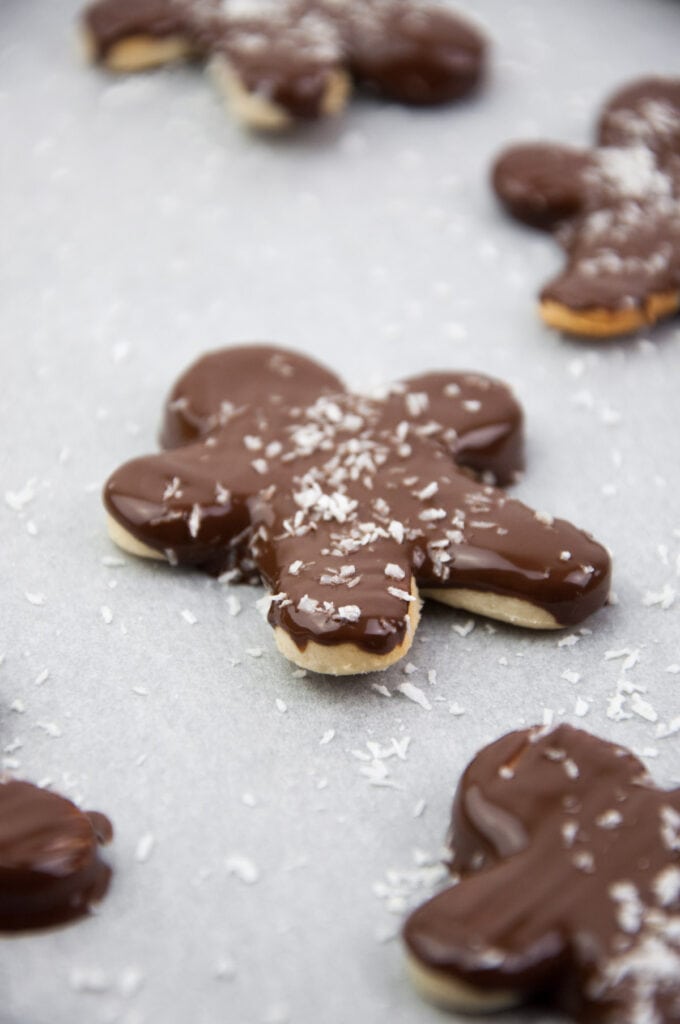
[{"x": 271, "y": 830}]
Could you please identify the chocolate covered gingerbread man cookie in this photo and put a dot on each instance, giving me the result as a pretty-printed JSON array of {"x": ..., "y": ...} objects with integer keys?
[
  {"x": 50, "y": 869},
  {"x": 349, "y": 508},
  {"x": 287, "y": 61},
  {"x": 568, "y": 893},
  {"x": 614, "y": 209}
]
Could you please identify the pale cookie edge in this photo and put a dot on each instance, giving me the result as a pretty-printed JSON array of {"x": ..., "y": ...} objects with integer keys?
[
  {"x": 513, "y": 610},
  {"x": 606, "y": 323},
  {"x": 137, "y": 52},
  {"x": 347, "y": 659},
  {"x": 260, "y": 114},
  {"x": 451, "y": 994},
  {"x": 123, "y": 539}
]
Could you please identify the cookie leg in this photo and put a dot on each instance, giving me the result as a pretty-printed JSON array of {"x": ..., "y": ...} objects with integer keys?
[
  {"x": 260, "y": 112},
  {"x": 280, "y": 69},
  {"x": 347, "y": 659}
]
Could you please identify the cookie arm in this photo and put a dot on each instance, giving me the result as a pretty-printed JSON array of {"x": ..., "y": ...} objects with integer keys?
[
  {"x": 481, "y": 422},
  {"x": 542, "y": 184},
  {"x": 456, "y": 953},
  {"x": 174, "y": 506},
  {"x": 512, "y": 564}
]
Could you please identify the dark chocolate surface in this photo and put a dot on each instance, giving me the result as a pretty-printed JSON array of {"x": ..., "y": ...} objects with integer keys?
[
  {"x": 615, "y": 208},
  {"x": 343, "y": 504},
  {"x": 50, "y": 869},
  {"x": 569, "y": 890}
]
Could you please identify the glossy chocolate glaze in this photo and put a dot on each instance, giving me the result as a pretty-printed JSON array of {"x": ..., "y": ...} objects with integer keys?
[
  {"x": 615, "y": 209},
  {"x": 415, "y": 53},
  {"x": 50, "y": 870},
  {"x": 289, "y": 52},
  {"x": 344, "y": 504},
  {"x": 568, "y": 860}
]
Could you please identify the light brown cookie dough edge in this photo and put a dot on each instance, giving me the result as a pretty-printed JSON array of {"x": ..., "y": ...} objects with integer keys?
[
  {"x": 136, "y": 52},
  {"x": 347, "y": 659},
  {"x": 512, "y": 610},
  {"x": 123, "y": 539},
  {"x": 449, "y": 993},
  {"x": 609, "y": 323},
  {"x": 256, "y": 112}
]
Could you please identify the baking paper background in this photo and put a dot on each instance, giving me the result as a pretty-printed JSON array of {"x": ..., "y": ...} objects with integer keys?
[{"x": 271, "y": 831}]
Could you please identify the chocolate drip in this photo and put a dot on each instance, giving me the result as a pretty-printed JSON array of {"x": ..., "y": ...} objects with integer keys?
[
  {"x": 346, "y": 505},
  {"x": 615, "y": 209},
  {"x": 50, "y": 870},
  {"x": 569, "y": 866}
]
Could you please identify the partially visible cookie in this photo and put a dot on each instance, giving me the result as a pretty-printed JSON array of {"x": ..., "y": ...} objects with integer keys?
[
  {"x": 566, "y": 861},
  {"x": 614, "y": 209},
  {"x": 352, "y": 508},
  {"x": 279, "y": 63},
  {"x": 50, "y": 869}
]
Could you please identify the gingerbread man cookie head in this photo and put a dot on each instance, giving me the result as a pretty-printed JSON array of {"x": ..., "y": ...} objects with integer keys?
[
  {"x": 351, "y": 508},
  {"x": 568, "y": 860},
  {"x": 280, "y": 62},
  {"x": 615, "y": 210}
]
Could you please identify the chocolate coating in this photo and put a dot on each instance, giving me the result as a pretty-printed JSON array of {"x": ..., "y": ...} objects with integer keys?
[
  {"x": 109, "y": 22},
  {"x": 288, "y": 53},
  {"x": 568, "y": 860},
  {"x": 615, "y": 209},
  {"x": 344, "y": 504},
  {"x": 50, "y": 870}
]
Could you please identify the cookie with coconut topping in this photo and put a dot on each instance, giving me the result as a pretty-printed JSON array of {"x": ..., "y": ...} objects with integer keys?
[
  {"x": 567, "y": 863},
  {"x": 279, "y": 63},
  {"x": 50, "y": 869},
  {"x": 614, "y": 209},
  {"x": 350, "y": 508}
]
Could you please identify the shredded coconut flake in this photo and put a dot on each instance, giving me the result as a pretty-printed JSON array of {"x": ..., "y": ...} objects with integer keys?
[
  {"x": 349, "y": 613},
  {"x": 242, "y": 868},
  {"x": 414, "y": 693},
  {"x": 144, "y": 847}
]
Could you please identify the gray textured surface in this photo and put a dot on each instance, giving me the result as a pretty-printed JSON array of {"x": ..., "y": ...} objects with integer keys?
[{"x": 139, "y": 228}]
